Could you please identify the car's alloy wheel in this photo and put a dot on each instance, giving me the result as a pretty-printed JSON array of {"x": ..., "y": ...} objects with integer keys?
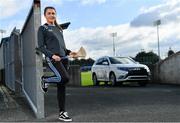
[
  {"x": 95, "y": 81},
  {"x": 112, "y": 79}
]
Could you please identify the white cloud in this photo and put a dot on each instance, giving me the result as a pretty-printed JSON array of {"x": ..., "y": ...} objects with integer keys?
[
  {"x": 130, "y": 40},
  {"x": 51, "y": 2},
  {"x": 98, "y": 41},
  {"x": 168, "y": 12},
  {"x": 90, "y": 2},
  {"x": 9, "y": 8}
]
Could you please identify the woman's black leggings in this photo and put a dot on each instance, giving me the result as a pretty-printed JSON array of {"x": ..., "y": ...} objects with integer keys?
[
  {"x": 61, "y": 78},
  {"x": 62, "y": 67}
]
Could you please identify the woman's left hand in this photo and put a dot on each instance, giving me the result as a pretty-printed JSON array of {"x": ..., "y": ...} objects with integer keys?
[{"x": 73, "y": 54}]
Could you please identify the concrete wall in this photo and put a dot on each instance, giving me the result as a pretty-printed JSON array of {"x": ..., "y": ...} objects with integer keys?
[
  {"x": 168, "y": 70},
  {"x": 75, "y": 75}
]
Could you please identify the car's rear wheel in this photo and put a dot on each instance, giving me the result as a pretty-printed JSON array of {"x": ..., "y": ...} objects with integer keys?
[
  {"x": 112, "y": 79},
  {"x": 95, "y": 81}
]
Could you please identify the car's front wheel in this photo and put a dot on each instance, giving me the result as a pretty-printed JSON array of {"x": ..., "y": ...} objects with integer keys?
[
  {"x": 95, "y": 81},
  {"x": 112, "y": 79}
]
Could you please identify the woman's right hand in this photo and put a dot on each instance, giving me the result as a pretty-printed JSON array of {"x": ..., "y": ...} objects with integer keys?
[{"x": 56, "y": 58}]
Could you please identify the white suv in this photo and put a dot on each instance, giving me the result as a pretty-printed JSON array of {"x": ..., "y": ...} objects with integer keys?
[{"x": 119, "y": 69}]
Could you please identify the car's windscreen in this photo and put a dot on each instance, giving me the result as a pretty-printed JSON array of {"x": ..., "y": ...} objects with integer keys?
[{"x": 121, "y": 60}]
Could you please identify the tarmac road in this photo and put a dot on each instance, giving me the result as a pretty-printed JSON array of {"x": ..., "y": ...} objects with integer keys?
[
  {"x": 127, "y": 103},
  {"x": 154, "y": 103}
]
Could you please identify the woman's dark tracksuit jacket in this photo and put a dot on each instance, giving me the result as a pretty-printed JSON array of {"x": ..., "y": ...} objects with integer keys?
[{"x": 51, "y": 42}]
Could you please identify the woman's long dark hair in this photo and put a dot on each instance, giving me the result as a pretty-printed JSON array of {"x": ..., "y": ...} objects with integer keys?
[{"x": 56, "y": 24}]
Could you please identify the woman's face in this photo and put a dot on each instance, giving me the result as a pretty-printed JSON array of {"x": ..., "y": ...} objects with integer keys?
[{"x": 50, "y": 15}]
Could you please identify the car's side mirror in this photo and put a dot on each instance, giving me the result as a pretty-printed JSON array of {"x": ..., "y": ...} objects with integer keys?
[{"x": 105, "y": 63}]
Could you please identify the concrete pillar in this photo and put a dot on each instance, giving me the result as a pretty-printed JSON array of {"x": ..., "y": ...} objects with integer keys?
[{"x": 75, "y": 75}]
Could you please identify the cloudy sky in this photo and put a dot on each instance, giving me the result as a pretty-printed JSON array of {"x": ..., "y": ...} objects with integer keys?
[{"x": 92, "y": 22}]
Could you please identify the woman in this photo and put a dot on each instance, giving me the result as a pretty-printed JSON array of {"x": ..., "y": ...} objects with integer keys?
[{"x": 51, "y": 43}]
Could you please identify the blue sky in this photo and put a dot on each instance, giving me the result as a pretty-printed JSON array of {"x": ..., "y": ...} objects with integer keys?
[
  {"x": 112, "y": 12},
  {"x": 92, "y": 21}
]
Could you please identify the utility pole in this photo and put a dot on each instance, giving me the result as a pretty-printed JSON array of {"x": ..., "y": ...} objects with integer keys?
[
  {"x": 113, "y": 35},
  {"x": 157, "y": 23}
]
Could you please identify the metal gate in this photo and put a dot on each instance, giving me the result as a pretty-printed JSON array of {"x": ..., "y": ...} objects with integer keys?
[{"x": 32, "y": 68}]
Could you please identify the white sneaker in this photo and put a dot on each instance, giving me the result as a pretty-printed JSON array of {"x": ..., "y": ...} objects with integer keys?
[
  {"x": 63, "y": 116},
  {"x": 44, "y": 86}
]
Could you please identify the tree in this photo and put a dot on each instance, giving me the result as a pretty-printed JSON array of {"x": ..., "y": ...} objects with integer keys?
[
  {"x": 170, "y": 52},
  {"x": 83, "y": 62},
  {"x": 147, "y": 58}
]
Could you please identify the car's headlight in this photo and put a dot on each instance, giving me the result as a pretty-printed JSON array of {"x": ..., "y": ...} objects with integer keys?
[
  {"x": 148, "y": 70},
  {"x": 122, "y": 68}
]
